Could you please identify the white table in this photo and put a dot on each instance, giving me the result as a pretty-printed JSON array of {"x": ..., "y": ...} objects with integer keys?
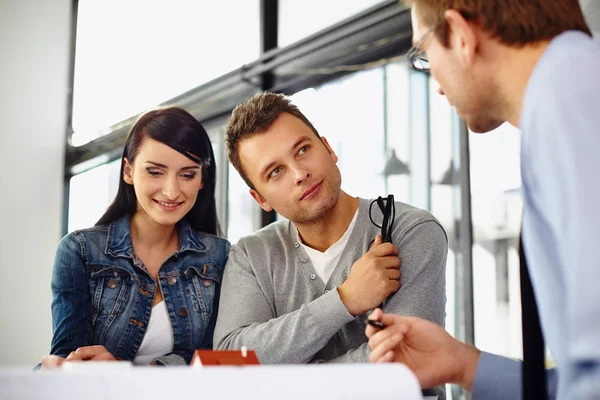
[{"x": 294, "y": 382}]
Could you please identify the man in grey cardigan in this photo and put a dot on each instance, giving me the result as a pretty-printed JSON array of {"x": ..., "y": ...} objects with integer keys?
[{"x": 298, "y": 291}]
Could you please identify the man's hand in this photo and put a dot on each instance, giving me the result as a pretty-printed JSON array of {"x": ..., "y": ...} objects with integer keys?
[
  {"x": 372, "y": 279},
  {"x": 91, "y": 353},
  {"x": 427, "y": 349}
]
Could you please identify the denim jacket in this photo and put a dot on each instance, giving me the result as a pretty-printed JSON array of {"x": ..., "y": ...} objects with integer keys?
[{"x": 103, "y": 295}]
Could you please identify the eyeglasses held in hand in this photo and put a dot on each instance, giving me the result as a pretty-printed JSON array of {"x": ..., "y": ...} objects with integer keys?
[{"x": 388, "y": 209}]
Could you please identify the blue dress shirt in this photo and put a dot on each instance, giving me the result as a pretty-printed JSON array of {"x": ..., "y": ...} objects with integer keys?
[{"x": 560, "y": 167}]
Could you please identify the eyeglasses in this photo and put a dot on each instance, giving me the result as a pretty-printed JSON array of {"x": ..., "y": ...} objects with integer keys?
[
  {"x": 388, "y": 210},
  {"x": 416, "y": 56}
]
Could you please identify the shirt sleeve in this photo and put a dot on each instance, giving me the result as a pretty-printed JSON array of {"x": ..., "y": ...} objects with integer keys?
[
  {"x": 422, "y": 251},
  {"x": 562, "y": 165},
  {"x": 500, "y": 378},
  {"x": 70, "y": 298},
  {"x": 246, "y": 318}
]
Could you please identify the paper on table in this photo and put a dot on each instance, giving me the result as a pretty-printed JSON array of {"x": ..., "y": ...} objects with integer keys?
[{"x": 292, "y": 382}]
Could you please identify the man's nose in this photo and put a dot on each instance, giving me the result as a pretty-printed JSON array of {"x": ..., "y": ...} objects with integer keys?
[{"x": 301, "y": 174}]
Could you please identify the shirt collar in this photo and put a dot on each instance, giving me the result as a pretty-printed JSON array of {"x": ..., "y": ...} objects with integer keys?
[{"x": 119, "y": 243}]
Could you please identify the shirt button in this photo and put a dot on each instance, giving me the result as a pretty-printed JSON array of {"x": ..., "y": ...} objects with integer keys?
[
  {"x": 183, "y": 312},
  {"x": 304, "y": 260},
  {"x": 313, "y": 276},
  {"x": 326, "y": 290},
  {"x": 172, "y": 280},
  {"x": 206, "y": 282},
  {"x": 112, "y": 284},
  {"x": 296, "y": 245}
]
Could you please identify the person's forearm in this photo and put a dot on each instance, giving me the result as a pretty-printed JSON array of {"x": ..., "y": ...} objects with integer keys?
[
  {"x": 357, "y": 355},
  {"x": 291, "y": 338}
]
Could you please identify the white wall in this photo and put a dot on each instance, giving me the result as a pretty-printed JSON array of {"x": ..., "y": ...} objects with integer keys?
[{"x": 34, "y": 65}]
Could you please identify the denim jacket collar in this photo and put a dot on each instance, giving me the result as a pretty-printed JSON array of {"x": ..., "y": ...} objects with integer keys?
[{"x": 119, "y": 243}]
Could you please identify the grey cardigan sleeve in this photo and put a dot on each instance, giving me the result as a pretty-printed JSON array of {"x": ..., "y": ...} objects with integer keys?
[
  {"x": 247, "y": 318},
  {"x": 422, "y": 250}
]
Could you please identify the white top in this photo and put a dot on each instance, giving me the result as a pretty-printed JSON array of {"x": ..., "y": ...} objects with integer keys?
[
  {"x": 158, "y": 339},
  {"x": 325, "y": 263}
]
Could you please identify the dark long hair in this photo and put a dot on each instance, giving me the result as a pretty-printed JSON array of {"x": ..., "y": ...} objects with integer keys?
[{"x": 182, "y": 132}]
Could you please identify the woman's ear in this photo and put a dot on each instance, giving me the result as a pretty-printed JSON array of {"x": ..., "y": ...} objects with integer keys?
[{"x": 127, "y": 171}]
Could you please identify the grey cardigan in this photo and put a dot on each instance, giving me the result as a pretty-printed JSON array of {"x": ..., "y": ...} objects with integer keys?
[{"x": 273, "y": 301}]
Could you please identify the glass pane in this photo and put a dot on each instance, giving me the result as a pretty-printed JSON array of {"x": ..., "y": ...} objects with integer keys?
[
  {"x": 398, "y": 127},
  {"x": 242, "y": 210},
  {"x": 215, "y": 134},
  {"x": 298, "y": 19},
  {"x": 446, "y": 200},
  {"x": 132, "y": 55},
  {"x": 496, "y": 210},
  {"x": 358, "y": 140},
  {"x": 90, "y": 193},
  {"x": 445, "y": 188}
]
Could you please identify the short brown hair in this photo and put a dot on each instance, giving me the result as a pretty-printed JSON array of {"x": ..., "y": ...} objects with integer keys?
[
  {"x": 256, "y": 116},
  {"x": 513, "y": 22}
]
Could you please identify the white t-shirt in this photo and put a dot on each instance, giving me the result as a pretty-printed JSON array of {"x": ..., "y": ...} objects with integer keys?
[
  {"x": 158, "y": 339},
  {"x": 325, "y": 263}
]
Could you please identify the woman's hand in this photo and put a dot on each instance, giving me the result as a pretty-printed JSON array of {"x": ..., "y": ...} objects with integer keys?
[
  {"x": 91, "y": 353},
  {"x": 51, "y": 361}
]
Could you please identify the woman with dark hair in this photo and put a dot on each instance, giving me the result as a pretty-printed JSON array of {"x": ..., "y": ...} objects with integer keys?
[{"x": 143, "y": 284}]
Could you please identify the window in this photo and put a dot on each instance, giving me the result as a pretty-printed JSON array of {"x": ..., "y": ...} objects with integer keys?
[
  {"x": 90, "y": 193},
  {"x": 121, "y": 71},
  {"x": 349, "y": 113},
  {"x": 298, "y": 19},
  {"x": 397, "y": 128},
  {"x": 445, "y": 188},
  {"x": 496, "y": 209},
  {"x": 242, "y": 211}
]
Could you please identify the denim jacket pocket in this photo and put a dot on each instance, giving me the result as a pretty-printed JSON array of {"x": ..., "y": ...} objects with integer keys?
[
  {"x": 110, "y": 286},
  {"x": 202, "y": 281}
]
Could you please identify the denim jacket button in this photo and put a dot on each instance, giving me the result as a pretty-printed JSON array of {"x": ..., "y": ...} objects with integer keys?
[
  {"x": 206, "y": 282},
  {"x": 112, "y": 284},
  {"x": 183, "y": 312},
  {"x": 172, "y": 280},
  {"x": 115, "y": 274}
]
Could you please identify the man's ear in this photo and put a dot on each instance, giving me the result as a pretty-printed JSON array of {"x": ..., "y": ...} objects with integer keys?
[
  {"x": 127, "y": 172},
  {"x": 260, "y": 200},
  {"x": 329, "y": 149},
  {"x": 462, "y": 36}
]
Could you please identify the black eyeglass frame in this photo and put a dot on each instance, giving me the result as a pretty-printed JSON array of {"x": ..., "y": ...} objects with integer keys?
[{"x": 388, "y": 210}]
